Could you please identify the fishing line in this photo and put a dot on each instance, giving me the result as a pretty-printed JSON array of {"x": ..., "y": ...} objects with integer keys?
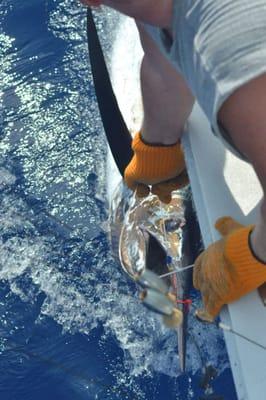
[
  {"x": 177, "y": 271},
  {"x": 227, "y": 328},
  {"x": 219, "y": 325}
]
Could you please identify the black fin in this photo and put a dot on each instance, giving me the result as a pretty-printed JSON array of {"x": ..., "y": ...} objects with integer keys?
[{"x": 116, "y": 131}]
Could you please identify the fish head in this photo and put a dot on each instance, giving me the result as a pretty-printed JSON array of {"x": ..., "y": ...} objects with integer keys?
[{"x": 150, "y": 231}]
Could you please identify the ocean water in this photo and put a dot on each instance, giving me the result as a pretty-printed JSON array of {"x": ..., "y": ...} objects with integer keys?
[{"x": 71, "y": 326}]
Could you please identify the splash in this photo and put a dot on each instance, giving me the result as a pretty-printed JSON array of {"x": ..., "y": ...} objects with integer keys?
[{"x": 52, "y": 188}]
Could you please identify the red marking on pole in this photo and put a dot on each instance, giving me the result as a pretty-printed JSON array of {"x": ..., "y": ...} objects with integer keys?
[{"x": 186, "y": 302}]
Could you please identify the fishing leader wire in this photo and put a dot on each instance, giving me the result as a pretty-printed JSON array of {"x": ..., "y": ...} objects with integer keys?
[{"x": 218, "y": 324}]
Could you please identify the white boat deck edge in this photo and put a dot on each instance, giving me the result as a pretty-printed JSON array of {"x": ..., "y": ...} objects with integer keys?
[{"x": 224, "y": 185}]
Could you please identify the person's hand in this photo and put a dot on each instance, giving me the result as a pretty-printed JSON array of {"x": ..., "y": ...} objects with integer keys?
[
  {"x": 227, "y": 269},
  {"x": 161, "y": 167}
]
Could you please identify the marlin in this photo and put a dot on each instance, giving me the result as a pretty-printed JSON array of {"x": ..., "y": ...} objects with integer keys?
[{"x": 149, "y": 238}]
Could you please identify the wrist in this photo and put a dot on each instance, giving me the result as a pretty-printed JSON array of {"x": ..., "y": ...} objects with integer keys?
[
  {"x": 155, "y": 143},
  {"x": 160, "y": 135},
  {"x": 157, "y": 163}
]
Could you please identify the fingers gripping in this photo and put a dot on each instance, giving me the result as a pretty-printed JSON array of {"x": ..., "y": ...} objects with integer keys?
[
  {"x": 205, "y": 276},
  {"x": 164, "y": 189},
  {"x": 226, "y": 225},
  {"x": 160, "y": 166},
  {"x": 142, "y": 190},
  {"x": 213, "y": 308},
  {"x": 197, "y": 272}
]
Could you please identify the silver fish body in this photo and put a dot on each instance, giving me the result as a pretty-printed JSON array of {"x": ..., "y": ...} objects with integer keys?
[{"x": 151, "y": 239}]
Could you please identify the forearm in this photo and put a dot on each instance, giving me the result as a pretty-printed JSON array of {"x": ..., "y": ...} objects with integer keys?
[
  {"x": 243, "y": 117},
  {"x": 167, "y": 101}
]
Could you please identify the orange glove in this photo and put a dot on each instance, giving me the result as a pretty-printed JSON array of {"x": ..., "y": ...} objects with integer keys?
[
  {"x": 162, "y": 167},
  {"x": 227, "y": 269}
]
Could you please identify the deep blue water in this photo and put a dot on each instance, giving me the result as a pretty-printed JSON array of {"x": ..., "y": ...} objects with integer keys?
[{"x": 71, "y": 326}]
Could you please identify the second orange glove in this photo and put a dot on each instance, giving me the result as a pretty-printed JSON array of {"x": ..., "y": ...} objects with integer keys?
[{"x": 227, "y": 269}]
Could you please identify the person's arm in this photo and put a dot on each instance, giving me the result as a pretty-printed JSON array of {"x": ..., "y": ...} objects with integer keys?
[
  {"x": 244, "y": 118},
  {"x": 167, "y": 102},
  {"x": 236, "y": 264}
]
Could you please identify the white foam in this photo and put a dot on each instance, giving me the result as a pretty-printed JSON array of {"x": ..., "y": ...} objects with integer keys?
[{"x": 100, "y": 295}]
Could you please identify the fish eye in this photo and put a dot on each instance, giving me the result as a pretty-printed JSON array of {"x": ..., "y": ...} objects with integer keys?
[{"x": 172, "y": 225}]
